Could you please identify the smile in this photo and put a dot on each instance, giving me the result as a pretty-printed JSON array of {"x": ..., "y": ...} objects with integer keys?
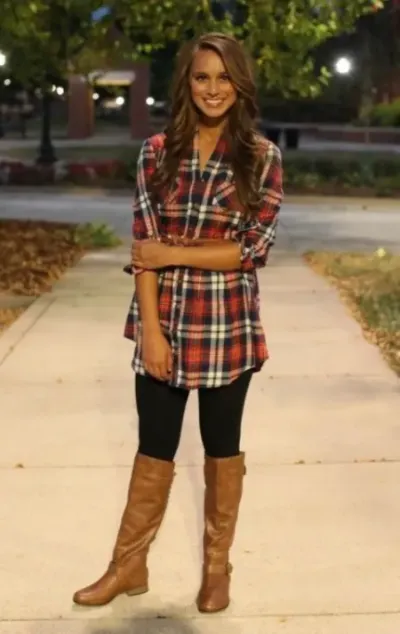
[{"x": 214, "y": 103}]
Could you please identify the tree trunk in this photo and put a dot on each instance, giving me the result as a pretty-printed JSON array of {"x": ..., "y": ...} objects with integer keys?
[{"x": 46, "y": 149}]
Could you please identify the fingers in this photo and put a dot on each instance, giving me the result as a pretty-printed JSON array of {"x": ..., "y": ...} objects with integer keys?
[
  {"x": 138, "y": 263},
  {"x": 136, "y": 256},
  {"x": 175, "y": 240},
  {"x": 167, "y": 365},
  {"x": 161, "y": 371},
  {"x": 156, "y": 370},
  {"x": 169, "y": 361}
]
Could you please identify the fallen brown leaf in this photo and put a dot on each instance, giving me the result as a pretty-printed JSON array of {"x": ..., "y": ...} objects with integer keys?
[{"x": 33, "y": 256}]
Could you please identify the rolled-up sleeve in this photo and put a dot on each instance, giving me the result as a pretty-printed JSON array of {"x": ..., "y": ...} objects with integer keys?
[
  {"x": 145, "y": 215},
  {"x": 259, "y": 234}
]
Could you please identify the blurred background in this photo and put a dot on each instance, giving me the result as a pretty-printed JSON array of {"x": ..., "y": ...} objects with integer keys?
[{"x": 342, "y": 68}]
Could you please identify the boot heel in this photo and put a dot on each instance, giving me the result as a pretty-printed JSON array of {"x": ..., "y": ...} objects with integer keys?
[{"x": 136, "y": 591}]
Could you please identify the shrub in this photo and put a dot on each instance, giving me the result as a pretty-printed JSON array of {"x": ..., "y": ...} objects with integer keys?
[{"x": 386, "y": 114}]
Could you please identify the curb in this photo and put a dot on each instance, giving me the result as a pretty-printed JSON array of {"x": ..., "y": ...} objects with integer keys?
[
  {"x": 354, "y": 203},
  {"x": 317, "y": 199},
  {"x": 17, "y": 331}
]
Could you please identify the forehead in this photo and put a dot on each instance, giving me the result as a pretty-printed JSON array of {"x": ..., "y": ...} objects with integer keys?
[{"x": 208, "y": 61}]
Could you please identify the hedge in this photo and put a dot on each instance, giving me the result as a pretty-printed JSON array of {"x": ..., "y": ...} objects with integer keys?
[{"x": 367, "y": 175}]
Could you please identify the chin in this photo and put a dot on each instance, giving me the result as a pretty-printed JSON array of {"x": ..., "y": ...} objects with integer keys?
[{"x": 214, "y": 113}]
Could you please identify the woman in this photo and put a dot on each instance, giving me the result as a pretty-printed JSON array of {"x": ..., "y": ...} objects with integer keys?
[{"x": 205, "y": 213}]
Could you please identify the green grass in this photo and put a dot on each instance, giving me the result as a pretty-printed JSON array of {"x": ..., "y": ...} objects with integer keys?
[
  {"x": 95, "y": 235},
  {"x": 370, "y": 285},
  {"x": 79, "y": 153}
]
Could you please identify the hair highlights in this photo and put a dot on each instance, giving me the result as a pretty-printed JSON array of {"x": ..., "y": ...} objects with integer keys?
[{"x": 240, "y": 129}]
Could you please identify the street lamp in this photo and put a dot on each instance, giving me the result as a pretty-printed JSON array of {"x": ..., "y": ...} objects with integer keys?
[
  {"x": 343, "y": 66},
  {"x": 3, "y": 62}
]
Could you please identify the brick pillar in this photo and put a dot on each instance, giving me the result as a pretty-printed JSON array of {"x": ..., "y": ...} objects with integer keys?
[
  {"x": 80, "y": 108},
  {"x": 138, "y": 93}
]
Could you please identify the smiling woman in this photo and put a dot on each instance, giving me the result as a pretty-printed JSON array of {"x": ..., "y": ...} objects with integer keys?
[
  {"x": 212, "y": 89},
  {"x": 205, "y": 213},
  {"x": 214, "y": 97}
]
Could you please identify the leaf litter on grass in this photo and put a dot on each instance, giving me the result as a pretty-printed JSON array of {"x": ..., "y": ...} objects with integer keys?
[
  {"x": 370, "y": 285},
  {"x": 33, "y": 256}
]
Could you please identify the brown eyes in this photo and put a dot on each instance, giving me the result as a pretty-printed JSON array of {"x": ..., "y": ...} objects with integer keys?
[{"x": 204, "y": 77}]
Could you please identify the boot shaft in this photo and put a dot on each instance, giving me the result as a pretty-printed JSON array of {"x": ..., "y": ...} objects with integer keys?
[
  {"x": 224, "y": 487},
  {"x": 147, "y": 500}
]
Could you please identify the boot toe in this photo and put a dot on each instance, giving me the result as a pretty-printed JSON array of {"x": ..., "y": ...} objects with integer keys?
[
  {"x": 89, "y": 597},
  {"x": 211, "y": 605},
  {"x": 214, "y": 596}
]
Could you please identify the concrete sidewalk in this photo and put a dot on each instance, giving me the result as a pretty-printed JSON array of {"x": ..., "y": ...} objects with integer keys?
[{"x": 317, "y": 549}]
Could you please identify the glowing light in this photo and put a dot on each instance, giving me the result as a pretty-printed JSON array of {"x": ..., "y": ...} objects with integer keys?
[{"x": 343, "y": 66}]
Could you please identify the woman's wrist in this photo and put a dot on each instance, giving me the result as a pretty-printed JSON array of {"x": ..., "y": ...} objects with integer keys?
[
  {"x": 151, "y": 329},
  {"x": 177, "y": 256}
]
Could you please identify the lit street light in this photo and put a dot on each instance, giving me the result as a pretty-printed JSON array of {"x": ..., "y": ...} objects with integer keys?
[
  {"x": 3, "y": 62},
  {"x": 343, "y": 66}
]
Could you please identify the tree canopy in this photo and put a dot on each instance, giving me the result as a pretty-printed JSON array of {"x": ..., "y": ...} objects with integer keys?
[{"x": 43, "y": 39}]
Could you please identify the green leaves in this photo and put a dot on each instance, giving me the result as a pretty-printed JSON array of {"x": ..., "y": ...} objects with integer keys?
[
  {"x": 43, "y": 38},
  {"x": 282, "y": 34}
]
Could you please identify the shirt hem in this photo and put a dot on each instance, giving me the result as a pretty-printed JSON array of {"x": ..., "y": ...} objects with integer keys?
[{"x": 195, "y": 385}]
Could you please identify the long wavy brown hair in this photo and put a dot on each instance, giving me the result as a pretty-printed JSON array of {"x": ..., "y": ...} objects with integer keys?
[{"x": 240, "y": 131}]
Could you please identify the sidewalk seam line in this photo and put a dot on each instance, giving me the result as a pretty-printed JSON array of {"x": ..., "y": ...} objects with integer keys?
[
  {"x": 47, "y": 303},
  {"x": 274, "y": 615}
]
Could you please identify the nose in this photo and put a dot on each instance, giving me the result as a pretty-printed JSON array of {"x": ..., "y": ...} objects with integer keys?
[{"x": 213, "y": 87}]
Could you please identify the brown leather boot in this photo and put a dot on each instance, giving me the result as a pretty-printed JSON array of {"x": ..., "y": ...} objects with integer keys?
[
  {"x": 147, "y": 501},
  {"x": 224, "y": 485}
]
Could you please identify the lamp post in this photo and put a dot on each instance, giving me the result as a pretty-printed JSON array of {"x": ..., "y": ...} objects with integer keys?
[
  {"x": 3, "y": 62},
  {"x": 46, "y": 149}
]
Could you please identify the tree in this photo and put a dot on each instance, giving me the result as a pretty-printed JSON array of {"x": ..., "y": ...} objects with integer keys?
[
  {"x": 280, "y": 34},
  {"x": 374, "y": 49},
  {"x": 47, "y": 40}
]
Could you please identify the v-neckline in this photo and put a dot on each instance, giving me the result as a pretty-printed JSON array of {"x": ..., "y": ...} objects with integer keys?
[{"x": 202, "y": 170}]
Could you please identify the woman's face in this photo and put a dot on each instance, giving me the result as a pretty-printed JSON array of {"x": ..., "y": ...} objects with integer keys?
[{"x": 212, "y": 90}]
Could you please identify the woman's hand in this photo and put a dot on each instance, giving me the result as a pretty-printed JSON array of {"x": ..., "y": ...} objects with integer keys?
[
  {"x": 180, "y": 241},
  {"x": 192, "y": 242},
  {"x": 151, "y": 254},
  {"x": 157, "y": 355}
]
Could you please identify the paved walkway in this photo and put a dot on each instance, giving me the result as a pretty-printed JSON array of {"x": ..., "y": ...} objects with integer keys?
[{"x": 317, "y": 550}]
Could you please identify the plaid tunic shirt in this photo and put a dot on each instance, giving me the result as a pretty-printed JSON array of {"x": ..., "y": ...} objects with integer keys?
[{"x": 210, "y": 318}]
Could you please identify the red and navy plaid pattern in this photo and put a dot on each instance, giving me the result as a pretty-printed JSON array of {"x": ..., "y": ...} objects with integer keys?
[{"x": 210, "y": 318}]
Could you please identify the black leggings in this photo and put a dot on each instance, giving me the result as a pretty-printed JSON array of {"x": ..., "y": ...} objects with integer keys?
[{"x": 161, "y": 409}]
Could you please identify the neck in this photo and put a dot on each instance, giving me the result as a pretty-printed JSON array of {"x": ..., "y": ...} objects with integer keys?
[{"x": 211, "y": 128}]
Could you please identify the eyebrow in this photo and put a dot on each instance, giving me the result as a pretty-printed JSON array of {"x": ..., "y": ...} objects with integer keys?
[{"x": 203, "y": 72}]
